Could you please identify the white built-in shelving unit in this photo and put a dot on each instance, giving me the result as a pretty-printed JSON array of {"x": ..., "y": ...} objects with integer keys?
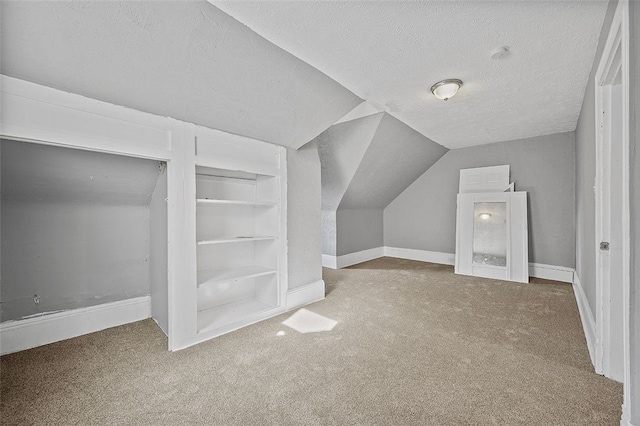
[
  {"x": 237, "y": 227},
  {"x": 240, "y": 232},
  {"x": 219, "y": 234}
]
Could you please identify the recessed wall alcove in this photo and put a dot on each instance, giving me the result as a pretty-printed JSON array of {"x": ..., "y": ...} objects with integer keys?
[{"x": 79, "y": 229}]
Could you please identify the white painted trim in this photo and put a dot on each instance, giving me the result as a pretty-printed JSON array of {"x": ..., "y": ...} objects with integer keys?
[
  {"x": 35, "y": 113},
  {"x": 305, "y": 294},
  {"x": 538, "y": 270},
  {"x": 625, "y": 421},
  {"x": 421, "y": 255},
  {"x": 359, "y": 257},
  {"x": 329, "y": 261},
  {"x": 551, "y": 272},
  {"x": 283, "y": 255},
  {"x": 44, "y": 329},
  {"x": 617, "y": 38},
  {"x": 338, "y": 262},
  {"x": 586, "y": 316}
]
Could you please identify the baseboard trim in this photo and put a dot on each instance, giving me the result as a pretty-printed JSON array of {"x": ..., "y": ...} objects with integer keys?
[
  {"x": 337, "y": 262},
  {"x": 586, "y": 316},
  {"x": 329, "y": 261},
  {"x": 551, "y": 272},
  {"x": 421, "y": 255},
  {"x": 44, "y": 329},
  {"x": 538, "y": 270},
  {"x": 624, "y": 420},
  {"x": 305, "y": 294}
]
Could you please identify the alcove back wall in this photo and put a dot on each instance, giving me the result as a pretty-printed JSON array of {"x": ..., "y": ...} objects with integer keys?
[{"x": 75, "y": 228}]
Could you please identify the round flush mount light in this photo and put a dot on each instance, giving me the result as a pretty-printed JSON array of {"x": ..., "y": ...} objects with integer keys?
[
  {"x": 445, "y": 89},
  {"x": 500, "y": 53},
  {"x": 485, "y": 216}
]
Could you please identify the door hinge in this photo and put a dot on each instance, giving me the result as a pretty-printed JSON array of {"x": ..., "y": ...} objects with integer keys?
[{"x": 604, "y": 246}]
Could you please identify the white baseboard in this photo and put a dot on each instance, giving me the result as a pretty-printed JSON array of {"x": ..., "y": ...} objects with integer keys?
[
  {"x": 329, "y": 261},
  {"x": 44, "y": 329},
  {"x": 538, "y": 270},
  {"x": 624, "y": 420},
  {"x": 305, "y": 294},
  {"x": 551, "y": 272},
  {"x": 337, "y": 262},
  {"x": 588, "y": 322},
  {"x": 421, "y": 255}
]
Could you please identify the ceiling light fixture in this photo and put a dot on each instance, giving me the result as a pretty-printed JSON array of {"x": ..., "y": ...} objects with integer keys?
[
  {"x": 500, "y": 53},
  {"x": 445, "y": 89}
]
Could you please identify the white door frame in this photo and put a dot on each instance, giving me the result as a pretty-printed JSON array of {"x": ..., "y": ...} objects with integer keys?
[{"x": 615, "y": 56}]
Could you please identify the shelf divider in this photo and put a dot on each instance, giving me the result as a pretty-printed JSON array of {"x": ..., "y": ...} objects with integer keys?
[
  {"x": 237, "y": 239},
  {"x": 217, "y": 276},
  {"x": 207, "y": 201},
  {"x": 212, "y": 318}
]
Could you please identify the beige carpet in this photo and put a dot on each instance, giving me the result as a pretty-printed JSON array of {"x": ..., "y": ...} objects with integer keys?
[{"x": 414, "y": 344}]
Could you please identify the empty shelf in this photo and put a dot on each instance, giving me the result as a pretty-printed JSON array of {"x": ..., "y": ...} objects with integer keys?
[
  {"x": 225, "y": 314},
  {"x": 206, "y": 201},
  {"x": 216, "y": 276},
  {"x": 221, "y": 240}
]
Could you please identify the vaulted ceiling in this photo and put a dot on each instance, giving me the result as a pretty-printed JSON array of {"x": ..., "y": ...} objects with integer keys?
[
  {"x": 286, "y": 72},
  {"x": 391, "y": 52}
]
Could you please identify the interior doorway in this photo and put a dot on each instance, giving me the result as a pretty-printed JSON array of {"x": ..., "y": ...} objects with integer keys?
[{"x": 612, "y": 204}]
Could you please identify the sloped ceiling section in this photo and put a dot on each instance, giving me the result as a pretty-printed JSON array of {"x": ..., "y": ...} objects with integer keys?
[
  {"x": 187, "y": 60},
  {"x": 341, "y": 149},
  {"x": 396, "y": 156},
  {"x": 365, "y": 164},
  {"x": 40, "y": 173}
]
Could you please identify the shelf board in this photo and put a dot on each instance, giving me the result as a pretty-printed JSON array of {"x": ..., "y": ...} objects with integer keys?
[
  {"x": 206, "y": 201},
  {"x": 222, "y": 240},
  {"x": 217, "y": 276},
  {"x": 212, "y": 318}
]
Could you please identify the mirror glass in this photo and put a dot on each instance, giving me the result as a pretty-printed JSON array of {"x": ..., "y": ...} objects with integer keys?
[{"x": 490, "y": 234}]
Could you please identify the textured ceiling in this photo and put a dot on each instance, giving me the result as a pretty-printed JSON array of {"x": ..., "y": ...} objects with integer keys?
[
  {"x": 390, "y": 53},
  {"x": 341, "y": 149},
  {"x": 397, "y": 155},
  {"x": 367, "y": 162},
  {"x": 187, "y": 60}
]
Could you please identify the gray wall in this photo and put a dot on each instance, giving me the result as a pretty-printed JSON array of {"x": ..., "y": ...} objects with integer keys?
[
  {"x": 585, "y": 177},
  {"x": 303, "y": 216},
  {"x": 329, "y": 232},
  {"x": 358, "y": 229},
  {"x": 75, "y": 228},
  {"x": 159, "y": 251},
  {"x": 424, "y": 216}
]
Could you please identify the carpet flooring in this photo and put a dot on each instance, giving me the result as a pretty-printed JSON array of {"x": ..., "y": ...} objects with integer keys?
[{"x": 414, "y": 344}]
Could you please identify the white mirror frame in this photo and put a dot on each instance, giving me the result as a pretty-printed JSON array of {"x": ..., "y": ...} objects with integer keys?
[{"x": 517, "y": 244}]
